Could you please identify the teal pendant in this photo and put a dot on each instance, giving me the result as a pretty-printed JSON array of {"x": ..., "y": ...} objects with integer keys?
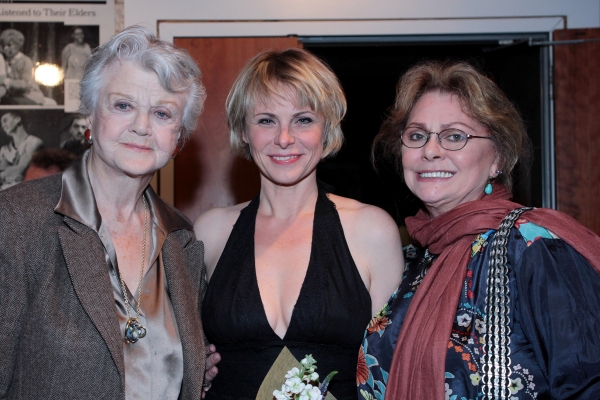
[
  {"x": 488, "y": 188},
  {"x": 134, "y": 331}
]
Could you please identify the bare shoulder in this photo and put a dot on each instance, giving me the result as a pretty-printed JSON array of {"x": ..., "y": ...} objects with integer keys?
[
  {"x": 213, "y": 227},
  {"x": 363, "y": 219},
  {"x": 374, "y": 241},
  {"x": 215, "y": 217}
]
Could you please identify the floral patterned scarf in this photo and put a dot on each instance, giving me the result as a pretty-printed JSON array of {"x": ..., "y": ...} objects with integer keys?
[{"x": 419, "y": 362}]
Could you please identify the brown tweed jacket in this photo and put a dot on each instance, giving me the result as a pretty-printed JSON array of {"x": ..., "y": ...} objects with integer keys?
[{"x": 59, "y": 332}]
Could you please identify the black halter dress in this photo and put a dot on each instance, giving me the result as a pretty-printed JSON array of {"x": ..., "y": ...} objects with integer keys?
[{"x": 328, "y": 320}]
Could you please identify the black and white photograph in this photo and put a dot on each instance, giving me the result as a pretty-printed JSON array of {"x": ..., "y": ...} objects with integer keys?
[
  {"x": 37, "y": 58},
  {"x": 27, "y": 131}
]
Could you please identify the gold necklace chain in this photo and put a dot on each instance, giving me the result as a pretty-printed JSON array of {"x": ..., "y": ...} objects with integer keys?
[{"x": 133, "y": 329}]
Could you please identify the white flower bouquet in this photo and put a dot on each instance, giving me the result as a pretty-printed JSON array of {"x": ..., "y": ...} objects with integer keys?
[{"x": 303, "y": 383}]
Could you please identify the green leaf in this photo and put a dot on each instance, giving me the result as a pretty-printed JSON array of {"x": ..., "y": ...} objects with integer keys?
[{"x": 325, "y": 384}]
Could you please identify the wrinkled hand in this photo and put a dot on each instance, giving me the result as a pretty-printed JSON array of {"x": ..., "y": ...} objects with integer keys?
[{"x": 212, "y": 359}]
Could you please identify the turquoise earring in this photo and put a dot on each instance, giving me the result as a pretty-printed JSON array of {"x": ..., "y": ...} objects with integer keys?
[{"x": 488, "y": 188}]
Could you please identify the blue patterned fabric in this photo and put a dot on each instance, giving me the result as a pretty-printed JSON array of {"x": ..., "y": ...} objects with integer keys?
[{"x": 554, "y": 317}]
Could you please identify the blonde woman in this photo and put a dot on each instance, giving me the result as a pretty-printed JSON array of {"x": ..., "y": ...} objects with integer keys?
[{"x": 297, "y": 266}]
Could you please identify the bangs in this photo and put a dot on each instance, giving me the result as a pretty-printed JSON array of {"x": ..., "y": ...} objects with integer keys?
[{"x": 268, "y": 92}]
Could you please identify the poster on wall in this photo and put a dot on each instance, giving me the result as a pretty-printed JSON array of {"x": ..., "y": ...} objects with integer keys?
[{"x": 43, "y": 50}]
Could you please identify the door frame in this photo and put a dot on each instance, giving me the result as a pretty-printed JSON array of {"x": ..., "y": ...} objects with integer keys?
[{"x": 426, "y": 29}]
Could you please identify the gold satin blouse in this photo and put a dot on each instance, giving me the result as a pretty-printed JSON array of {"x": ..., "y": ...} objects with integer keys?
[{"x": 154, "y": 364}]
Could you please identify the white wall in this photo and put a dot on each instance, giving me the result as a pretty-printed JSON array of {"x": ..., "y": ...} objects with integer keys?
[{"x": 578, "y": 13}]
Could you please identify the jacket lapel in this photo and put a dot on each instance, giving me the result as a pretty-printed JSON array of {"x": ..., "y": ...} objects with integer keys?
[
  {"x": 84, "y": 256},
  {"x": 184, "y": 272}
]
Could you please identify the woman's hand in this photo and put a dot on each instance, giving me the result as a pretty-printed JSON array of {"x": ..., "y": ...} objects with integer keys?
[{"x": 211, "y": 371}]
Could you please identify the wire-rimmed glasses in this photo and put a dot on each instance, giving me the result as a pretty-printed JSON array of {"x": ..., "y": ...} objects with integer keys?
[{"x": 450, "y": 139}]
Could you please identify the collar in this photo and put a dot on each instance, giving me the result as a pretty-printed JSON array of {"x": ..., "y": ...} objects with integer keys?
[{"x": 77, "y": 201}]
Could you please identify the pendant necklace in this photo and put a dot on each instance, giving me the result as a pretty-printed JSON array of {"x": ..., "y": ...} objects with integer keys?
[{"x": 133, "y": 329}]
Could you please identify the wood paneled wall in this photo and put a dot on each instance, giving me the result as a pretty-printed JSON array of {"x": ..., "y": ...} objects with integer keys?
[
  {"x": 577, "y": 125},
  {"x": 207, "y": 174}
]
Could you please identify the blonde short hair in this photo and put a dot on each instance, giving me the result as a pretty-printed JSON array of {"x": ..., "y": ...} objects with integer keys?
[{"x": 312, "y": 81}]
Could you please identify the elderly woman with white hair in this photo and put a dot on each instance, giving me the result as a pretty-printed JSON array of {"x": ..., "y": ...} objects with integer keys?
[
  {"x": 100, "y": 280},
  {"x": 296, "y": 267}
]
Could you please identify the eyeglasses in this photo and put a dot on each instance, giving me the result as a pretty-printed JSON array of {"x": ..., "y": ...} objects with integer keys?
[{"x": 450, "y": 139}]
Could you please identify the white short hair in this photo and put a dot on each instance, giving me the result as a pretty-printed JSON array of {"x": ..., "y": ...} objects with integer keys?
[{"x": 176, "y": 69}]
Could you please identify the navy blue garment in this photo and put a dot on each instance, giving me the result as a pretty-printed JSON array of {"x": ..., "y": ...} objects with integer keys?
[
  {"x": 328, "y": 320},
  {"x": 554, "y": 318}
]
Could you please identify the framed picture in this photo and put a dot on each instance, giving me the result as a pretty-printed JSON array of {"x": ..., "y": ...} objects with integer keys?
[
  {"x": 32, "y": 49},
  {"x": 44, "y": 47}
]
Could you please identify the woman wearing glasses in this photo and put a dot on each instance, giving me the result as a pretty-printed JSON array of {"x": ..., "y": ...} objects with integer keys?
[{"x": 484, "y": 310}]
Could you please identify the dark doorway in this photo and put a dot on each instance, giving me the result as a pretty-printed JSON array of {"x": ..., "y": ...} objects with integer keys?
[{"x": 369, "y": 69}]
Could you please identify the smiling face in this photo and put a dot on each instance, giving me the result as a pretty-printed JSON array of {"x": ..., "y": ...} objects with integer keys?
[
  {"x": 137, "y": 123},
  {"x": 444, "y": 179},
  {"x": 285, "y": 139}
]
